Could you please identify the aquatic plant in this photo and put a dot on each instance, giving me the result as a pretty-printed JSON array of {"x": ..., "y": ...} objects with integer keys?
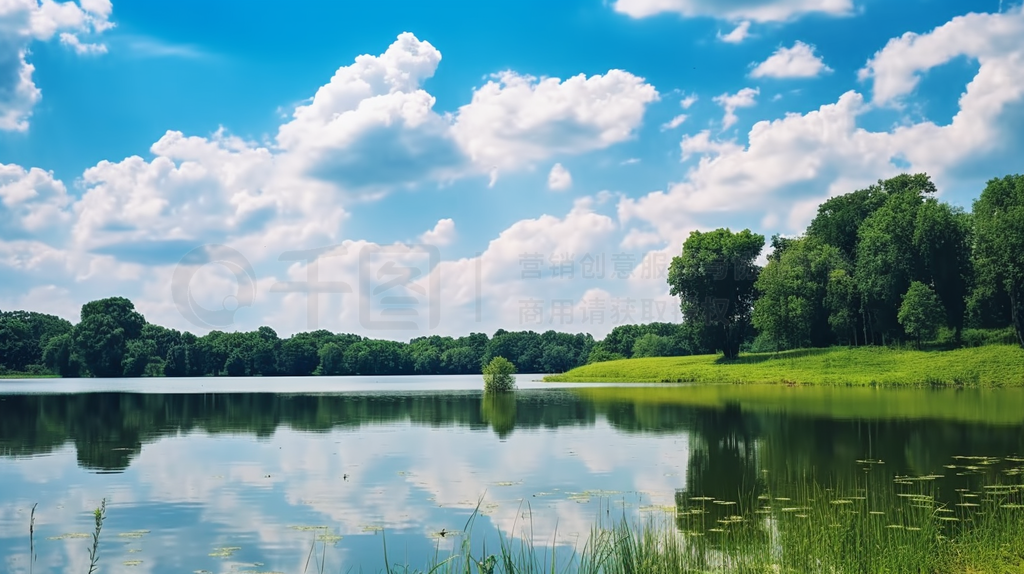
[{"x": 98, "y": 515}]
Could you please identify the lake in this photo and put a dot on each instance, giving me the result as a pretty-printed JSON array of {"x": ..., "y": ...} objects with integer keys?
[{"x": 233, "y": 475}]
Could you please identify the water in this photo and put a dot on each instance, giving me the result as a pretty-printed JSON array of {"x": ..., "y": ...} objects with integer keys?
[{"x": 232, "y": 475}]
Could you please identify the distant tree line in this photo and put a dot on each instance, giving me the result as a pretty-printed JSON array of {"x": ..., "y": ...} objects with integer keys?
[
  {"x": 883, "y": 264},
  {"x": 112, "y": 339}
]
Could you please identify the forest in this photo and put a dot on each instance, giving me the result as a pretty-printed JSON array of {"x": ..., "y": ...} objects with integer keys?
[{"x": 888, "y": 264}]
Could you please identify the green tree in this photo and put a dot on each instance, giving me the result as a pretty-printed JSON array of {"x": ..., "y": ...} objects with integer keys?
[
  {"x": 714, "y": 280},
  {"x": 100, "y": 340},
  {"x": 138, "y": 355},
  {"x": 942, "y": 237},
  {"x": 841, "y": 304},
  {"x": 887, "y": 260},
  {"x": 921, "y": 313},
  {"x": 332, "y": 360},
  {"x": 600, "y": 354},
  {"x": 999, "y": 227},
  {"x": 652, "y": 345},
  {"x": 58, "y": 356},
  {"x": 499, "y": 376}
]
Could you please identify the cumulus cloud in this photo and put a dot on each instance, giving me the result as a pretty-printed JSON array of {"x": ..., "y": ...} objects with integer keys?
[
  {"x": 373, "y": 126},
  {"x": 739, "y": 33},
  {"x": 745, "y": 98},
  {"x": 755, "y": 10},
  {"x": 442, "y": 234},
  {"x": 32, "y": 203},
  {"x": 559, "y": 179},
  {"x": 25, "y": 21},
  {"x": 790, "y": 165},
  {"x": 799, "y": 61},
  {"x": 515, "y": 120},
  {"x": 991, "y": 39}
]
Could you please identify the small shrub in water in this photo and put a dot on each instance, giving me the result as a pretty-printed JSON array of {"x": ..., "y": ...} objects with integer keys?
[{"x": 499, "y": 375}]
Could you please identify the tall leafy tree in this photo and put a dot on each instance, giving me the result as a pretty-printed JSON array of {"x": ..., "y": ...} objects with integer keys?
[
  {"x": 999, "y": 227},
  {"x": 886, "y": 257},
  {"x": 920, "y": 312},
  {"x": 100, "y": 339},
  {"x": 714, "y": 280},
  {"x": 942, "y": 237}
]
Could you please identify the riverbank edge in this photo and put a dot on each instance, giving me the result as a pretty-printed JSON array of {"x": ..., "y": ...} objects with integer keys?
[{"x": 985, "y": 366}]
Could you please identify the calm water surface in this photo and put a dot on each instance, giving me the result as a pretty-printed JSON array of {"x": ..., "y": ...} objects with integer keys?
[{"x": 232, "y": 475}]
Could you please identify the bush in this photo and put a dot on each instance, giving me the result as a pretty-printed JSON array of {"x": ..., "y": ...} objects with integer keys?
[
  {"x": 651, "y": 345},
  {"x": 600, "y": 354},
  {"x": 982, "y": 337},
  {"x": 499, "y": 376}
]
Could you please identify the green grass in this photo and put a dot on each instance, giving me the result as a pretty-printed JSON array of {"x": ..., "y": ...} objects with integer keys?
[
  {"x": 988, "y": 366},
  {"x": 27, "y": 376},
  {"x": 876, "y": 525}
]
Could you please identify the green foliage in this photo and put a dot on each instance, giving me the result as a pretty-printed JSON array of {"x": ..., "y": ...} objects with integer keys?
[
  {"x": 651, "y": 345},
  {"x": 499, "y": 376},
  {"x": 24, "y": 336},
  {"x": 600, "y": 354},
  {"x": 714, "y": 280},
  {"x": 942, "y": 237},
  {"x": 921, "y": 312},
  {"x": 999, "y": 230}
]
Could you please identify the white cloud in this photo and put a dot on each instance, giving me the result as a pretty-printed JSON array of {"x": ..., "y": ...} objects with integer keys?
[
  {"x": 796, "y": 62},
  {"x": 674, "y": 122},
  {"x": 688, "y": 101},
  {"x": 991, "y": 39},
  {"x": 25, "y": 21},
  {"x": 559, "y": 179},
  {"x": 740, "y": 33},
  {"x": 702, "y": 144},
  {"x": 515, "y": 120},
  {"x": 32, "y": 203},
  {"x": 80, "y": 47},
  {"x": 755, "y": 10},
  {"x": 745, "y": 98},
  {"x": 442, "y": 234},
  {"x": 791, "y": 165}
]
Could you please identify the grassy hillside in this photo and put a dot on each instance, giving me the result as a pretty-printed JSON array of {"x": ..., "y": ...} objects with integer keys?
[{"x": 993, "y": 365}]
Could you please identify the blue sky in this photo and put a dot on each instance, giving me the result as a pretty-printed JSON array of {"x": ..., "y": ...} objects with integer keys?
[{"x": 134, "y": 132}]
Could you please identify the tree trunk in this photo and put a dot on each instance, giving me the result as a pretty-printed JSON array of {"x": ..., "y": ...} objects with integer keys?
[
  {"x": 864, "y": 318},
  {"x": 1017, "y": 310}
]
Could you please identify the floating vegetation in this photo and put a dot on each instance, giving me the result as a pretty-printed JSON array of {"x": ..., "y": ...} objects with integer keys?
[
  {"x": 306, "y": 528},
  {"x": 70, "y": 535},
  {"x": 133, "y": 534},
  {"x": 224, "y": 551},
  {"x": 658, "y": 508},
  {"x": 132, "y": 562},
  {"x": 371, "y": 528},
  {"x": 329, "y": 538}
]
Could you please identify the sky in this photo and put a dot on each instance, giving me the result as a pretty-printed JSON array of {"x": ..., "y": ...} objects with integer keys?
[{"x": 404, "y": 169}]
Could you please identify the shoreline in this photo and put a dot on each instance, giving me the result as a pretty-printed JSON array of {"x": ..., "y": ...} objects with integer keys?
[{"x": 985, "y": 366}]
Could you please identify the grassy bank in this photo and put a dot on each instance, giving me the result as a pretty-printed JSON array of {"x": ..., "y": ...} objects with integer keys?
[{"x": 988, "y": 366}]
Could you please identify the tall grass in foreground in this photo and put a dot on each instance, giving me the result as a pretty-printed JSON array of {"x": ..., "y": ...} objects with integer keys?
[{"x": 799, "y": 528}]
